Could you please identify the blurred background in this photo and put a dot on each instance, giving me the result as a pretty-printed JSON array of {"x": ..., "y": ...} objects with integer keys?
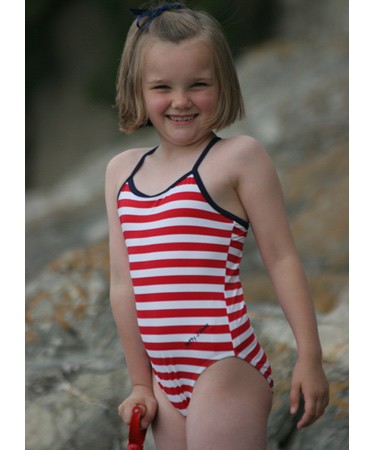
[
  {"x": 73, "y": 50},
  {"x": 292, "y": 61}
]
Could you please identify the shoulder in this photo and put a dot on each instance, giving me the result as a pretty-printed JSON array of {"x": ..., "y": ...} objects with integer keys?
[
  {"x": 245, "y": 156},
  {"x": 244, "y": 147},
  {"x": 120, "y": 167}
]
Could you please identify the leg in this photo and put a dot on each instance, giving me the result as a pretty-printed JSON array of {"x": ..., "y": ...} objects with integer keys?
[
  {"x": 168, "y": 427},
  {"x": 229, "y": 408}
]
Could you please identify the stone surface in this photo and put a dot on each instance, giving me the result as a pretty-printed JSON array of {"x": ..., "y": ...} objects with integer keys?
[{"x": 295, "y": 89}]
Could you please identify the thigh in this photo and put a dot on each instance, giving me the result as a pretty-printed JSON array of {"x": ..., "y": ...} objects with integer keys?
[
  {"x": 168, "y": 427},
  {"x": 229, "y": 408}
]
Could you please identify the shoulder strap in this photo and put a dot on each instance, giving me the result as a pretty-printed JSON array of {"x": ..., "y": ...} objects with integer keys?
[
  {"x": 205, "y": 151},
  {"x": 141, "y": 161}
]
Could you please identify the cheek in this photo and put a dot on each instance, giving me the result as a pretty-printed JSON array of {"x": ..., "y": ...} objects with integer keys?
[
  {"x": 156, "y": 104},
  {"x": 207, "y": 101}
]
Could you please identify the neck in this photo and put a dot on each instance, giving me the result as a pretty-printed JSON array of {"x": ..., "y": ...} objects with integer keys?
[{"x": 173, "y": 150}]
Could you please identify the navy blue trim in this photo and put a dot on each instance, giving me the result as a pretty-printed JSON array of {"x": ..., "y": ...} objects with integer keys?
[
  {"x": 134, "y": 189},
  {"x": 205, "y": 151},
  {"x": 212, "y": 202},
  {"x": 136, "y": 168}
]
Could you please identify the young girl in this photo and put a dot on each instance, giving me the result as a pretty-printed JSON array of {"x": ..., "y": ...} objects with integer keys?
[{"x": 183, "y": 209}]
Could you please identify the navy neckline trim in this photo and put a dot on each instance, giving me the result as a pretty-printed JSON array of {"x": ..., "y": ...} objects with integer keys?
[{"x": 197, "y": 178}]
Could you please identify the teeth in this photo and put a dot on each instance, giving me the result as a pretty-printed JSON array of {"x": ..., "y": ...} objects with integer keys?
[{"x": 181, "y": 118}]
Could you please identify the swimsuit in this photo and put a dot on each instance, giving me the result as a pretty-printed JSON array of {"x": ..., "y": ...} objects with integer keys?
[{"x": 184, "y": 256}]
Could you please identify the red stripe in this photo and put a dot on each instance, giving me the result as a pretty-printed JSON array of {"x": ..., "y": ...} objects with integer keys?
[
  {"x": 241, "y": 329},
  {"x": 173, "y": 313},
  {"x": 198, "y": 346},
  {"x": 178, "y": 229},
  {"x": 261, "y": 362},
  {"x": 172, "y": 376},
  {"x": 234, "y": 259},
  {"x": 178, "y": 390},
  {"x": 237, "y": 245},
  {"x": 163, "y": 263},
  {"x": 179, "y": 296},
  {"x": 232, "y": 272},
  {"x": 145, "y": 204},
  {"x": 246, "y": 343},
  {"x": 237, "y": 314},
  {"x": 172, "y": 214},
  {"x": 181, "y": 361},
  {"x": 176, "y": 246},
  {"x": 182, "y": 329},
  {"x": 177, "y": 279},
  {"x": 235, "y": 300},
  {"x": 233, "y": 286}
]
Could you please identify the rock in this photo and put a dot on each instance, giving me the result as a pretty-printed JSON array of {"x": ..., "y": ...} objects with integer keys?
[
  {"x": 296, "y": 98},
  {"x": 331, "y": 430},
  {"x": 76, "y": 376}
]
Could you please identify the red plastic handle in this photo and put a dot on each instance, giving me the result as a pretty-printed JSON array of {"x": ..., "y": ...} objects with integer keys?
[{"x": 136, "y": 434}]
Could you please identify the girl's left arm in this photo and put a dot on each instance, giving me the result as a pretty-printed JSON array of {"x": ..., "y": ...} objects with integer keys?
[{"x": 260, "y": 193}]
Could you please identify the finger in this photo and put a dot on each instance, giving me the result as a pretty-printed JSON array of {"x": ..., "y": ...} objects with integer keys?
[
  {"x": 125, "y": 411},
  {"x": 309, "y": 415},
  {"x": 294, "y": 398},
  {"x": 321, "y": 406},
  {"x": 142, "y": 408},
  {"x": 145, "y": 421},
  {"x": 149, "y": 415}
]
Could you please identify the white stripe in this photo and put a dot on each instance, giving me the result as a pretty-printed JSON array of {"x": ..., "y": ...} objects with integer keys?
[
  {"x": 157, "y": 256},
  {"x": 173, "y": 321},
  {"x": 185, "y": 338},
  {"x": 233, "y": 293},
  {"x": 169, "y": 271},
  {"x": 188, "y": 354},
  {"x": 235, "y": 252},
  {"x": 264, "y": 368},
  {"x": 182, "y": 287},
  {"x": 174, "y": 222},
  {"x": 239, "y": 339},
  {"x": 236, "y": 307},
  {"x": 232, "y": 265},
  {"x": 175, "y": 238},
  {"x": 170, "y": 206},
  {"x": 178, "y": 188},
  {"x": 178, "y": 304},
  {"x": 189, "y": 368},
  {"x": 175, "y": 383}
]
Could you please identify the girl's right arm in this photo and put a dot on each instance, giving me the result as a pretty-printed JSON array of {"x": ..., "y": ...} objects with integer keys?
[{"x": 123, "y": 306}]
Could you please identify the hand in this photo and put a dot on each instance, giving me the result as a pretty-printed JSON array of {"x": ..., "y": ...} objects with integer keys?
[
  {"x": 309, "y": 379},
  {"x": 144, "y": 397}
]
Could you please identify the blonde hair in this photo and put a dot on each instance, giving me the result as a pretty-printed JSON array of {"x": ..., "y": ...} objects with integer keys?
[{"x": 176, "y": 26}]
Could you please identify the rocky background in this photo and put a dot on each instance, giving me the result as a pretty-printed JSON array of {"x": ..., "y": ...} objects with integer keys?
[{"x": 296, "y": 91}]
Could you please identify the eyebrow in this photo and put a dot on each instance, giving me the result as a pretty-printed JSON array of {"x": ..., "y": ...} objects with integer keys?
[{"x": 193, "y": 80}]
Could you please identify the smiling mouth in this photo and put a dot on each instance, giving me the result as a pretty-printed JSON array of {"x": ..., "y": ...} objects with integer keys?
[{"x": 182, "y": 118}]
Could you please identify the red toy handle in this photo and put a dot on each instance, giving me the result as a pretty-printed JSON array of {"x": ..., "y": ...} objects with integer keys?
[{"x": 136, "y": 434}]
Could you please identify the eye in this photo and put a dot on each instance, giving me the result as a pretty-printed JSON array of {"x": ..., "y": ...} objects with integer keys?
[
  {"x": 161, "y": 87},
  {"x": 200, "y": 84}
]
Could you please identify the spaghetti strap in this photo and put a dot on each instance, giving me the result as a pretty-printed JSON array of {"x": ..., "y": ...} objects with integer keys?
[
  {"x": 137, "y": 167},
  {"x": 141, "y": 161},
  {"x": 205, "y": 151}
]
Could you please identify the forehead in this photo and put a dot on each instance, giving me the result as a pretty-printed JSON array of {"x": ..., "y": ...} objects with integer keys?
[{"x": 191, "y": 57}]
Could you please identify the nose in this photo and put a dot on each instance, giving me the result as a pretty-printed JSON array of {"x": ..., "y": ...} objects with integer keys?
[{"x": 181, "y": 100}]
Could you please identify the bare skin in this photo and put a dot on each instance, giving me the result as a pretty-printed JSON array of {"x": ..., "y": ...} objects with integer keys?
[
  {"x": 230, "y": 398},
  {"x": 230, "y": 394}
]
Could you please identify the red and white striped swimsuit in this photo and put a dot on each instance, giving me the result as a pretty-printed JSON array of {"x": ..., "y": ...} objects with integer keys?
[{"x": 184, "y": 255}]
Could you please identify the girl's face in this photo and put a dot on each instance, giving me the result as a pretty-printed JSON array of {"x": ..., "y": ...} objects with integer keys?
[{"x": 180, "y": 90}]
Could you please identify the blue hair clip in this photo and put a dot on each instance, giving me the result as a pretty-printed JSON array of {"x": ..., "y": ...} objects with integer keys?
[{"x": 150, "y": 14}]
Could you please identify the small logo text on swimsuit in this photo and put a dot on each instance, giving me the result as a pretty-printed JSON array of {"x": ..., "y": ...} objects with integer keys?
[{"x": 195, "y": 338}]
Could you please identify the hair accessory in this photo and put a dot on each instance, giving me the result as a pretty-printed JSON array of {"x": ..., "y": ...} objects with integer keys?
[{"x": 150, "y": 14}]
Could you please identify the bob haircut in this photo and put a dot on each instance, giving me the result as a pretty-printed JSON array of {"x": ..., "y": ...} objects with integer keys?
[{"x": 176, "y": 26}]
